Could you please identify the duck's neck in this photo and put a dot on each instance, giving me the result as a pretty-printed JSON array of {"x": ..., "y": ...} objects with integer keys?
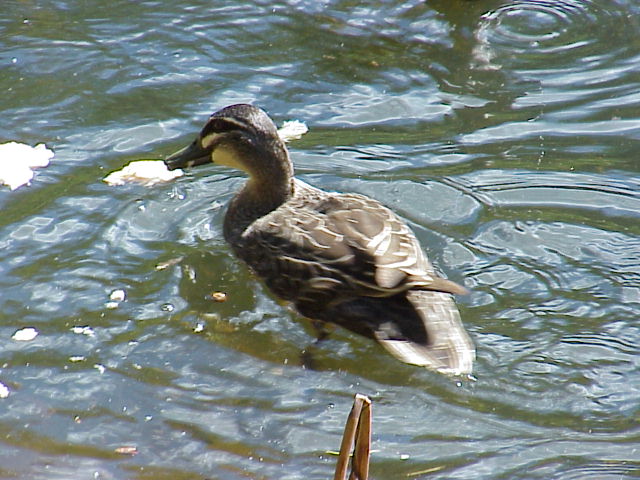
[{"x": 265, "y": 191}]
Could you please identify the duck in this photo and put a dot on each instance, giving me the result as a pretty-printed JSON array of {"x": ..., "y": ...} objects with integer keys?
[{"x": 338, "y": 258}]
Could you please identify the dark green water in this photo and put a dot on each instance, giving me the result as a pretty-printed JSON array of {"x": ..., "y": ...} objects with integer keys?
[{"x": 506, "y": 133}]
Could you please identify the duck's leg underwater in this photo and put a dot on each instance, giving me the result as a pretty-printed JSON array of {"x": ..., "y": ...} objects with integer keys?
[{"x": 322, "y": 329}]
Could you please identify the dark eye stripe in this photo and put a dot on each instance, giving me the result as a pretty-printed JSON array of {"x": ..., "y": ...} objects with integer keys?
[{"x": 220, "y": 125}]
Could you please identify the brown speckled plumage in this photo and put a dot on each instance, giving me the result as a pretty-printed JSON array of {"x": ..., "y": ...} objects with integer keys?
[{"x": 338, "y": 257}]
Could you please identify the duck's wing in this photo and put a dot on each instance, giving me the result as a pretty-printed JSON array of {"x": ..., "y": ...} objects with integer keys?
[
  {"x": 340, "y": 244},
  {"x": 397, "y": 260}
]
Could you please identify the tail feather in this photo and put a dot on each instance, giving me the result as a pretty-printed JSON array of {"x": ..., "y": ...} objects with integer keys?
[
  {"x": 419, "y": 327},
  {"x": 447, "y": 348}
]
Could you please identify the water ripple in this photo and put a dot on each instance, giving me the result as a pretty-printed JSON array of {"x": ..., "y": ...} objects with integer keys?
[
  {"x": 612, "y": 194},
  {"x": 521, "y": 31},
  {"x": 556, "y": 58}
]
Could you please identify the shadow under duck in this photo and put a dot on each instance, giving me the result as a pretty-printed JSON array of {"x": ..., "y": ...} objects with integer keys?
[{"x": 341, "y": 258}]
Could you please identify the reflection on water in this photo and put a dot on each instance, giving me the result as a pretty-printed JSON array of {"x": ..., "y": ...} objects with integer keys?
[{"x": 505, "y": 133}]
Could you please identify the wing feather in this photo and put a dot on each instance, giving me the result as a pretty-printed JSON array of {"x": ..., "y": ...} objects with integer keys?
[{"x": 362, "y": 246}]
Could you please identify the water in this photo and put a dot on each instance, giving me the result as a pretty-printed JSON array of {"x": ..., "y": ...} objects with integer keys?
[{"x": 506, "y": 133}]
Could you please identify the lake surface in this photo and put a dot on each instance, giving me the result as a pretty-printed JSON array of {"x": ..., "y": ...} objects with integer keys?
[{"x": 507, "y": 133}]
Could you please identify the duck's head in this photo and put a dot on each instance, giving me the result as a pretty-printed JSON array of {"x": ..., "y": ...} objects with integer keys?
[{"x": 240, "y": 136}]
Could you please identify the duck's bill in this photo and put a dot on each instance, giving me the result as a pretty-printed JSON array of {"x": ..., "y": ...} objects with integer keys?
[{"x": 191, "y": 156}]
